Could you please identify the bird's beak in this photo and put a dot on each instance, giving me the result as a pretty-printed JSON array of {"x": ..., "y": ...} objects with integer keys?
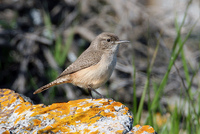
[{"x": 122, "y": 41}]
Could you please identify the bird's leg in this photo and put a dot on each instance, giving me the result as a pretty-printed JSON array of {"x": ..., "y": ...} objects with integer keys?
[
  {"x": 98, "y": 93},
  {"x": 90, "y": 92}
]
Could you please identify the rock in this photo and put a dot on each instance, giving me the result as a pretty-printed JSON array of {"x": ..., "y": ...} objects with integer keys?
[
  {"x": 143, "y": 130},
  {"x": 18, "y": 115}
]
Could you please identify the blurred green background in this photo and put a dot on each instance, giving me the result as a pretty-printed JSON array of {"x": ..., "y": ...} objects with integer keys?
[{"x": 157, "y": 75}]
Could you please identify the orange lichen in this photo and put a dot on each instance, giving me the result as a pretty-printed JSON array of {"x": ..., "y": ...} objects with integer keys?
[
  {"x": 2, "y": 122},
  {"x": 48, "y": 128},
  {"x": 22, "y": 107},
  {"x": 37, "y": 122},
  {"x": 86, "y": 116},
  {"x": 18, "y": 119},
  {"x": 109, "y": 114},
  {"x": 119, "y": 132},
  {"x": 146, "y": 128},
  {"x": 117, "y": 104},
  {"x": 4, "y": 103},
  {"x": 126, "y": 108},
  {"x": 86, "y": 130},
  {"x": 105, "y": 103},
  {"x": 111, "y": 108},
  {"x": 64, "y": 117},
  {"x": 96, "y": 132},
  {"x": 137, "y": 126},
  {"x": 54, "y": 129},
  {"x": 13, "y": 100},
  {"x": 6, "y": 132},
  {"x": 6, "y": 91},
  {"x": 81, "y": 115},
  {"x": 7, "y": 97}
]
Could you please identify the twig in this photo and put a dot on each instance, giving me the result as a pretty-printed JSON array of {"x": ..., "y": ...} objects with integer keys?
[{"x": 187, "y": 89}]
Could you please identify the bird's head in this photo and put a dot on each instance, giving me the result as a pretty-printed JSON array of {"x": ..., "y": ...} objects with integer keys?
[{"x": 107, "y": 42}]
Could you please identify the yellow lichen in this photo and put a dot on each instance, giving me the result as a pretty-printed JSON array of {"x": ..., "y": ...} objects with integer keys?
[
  {"x": 22, "y": 107},
  {"x": 37, "y": 122},
  {"x": 86, "y": 130},
  {"x": 148, "y": 129},
  {"x": 137, "y": 126},
  {"x": 6, "y": 132},
  {"x": 96, "y": 132},
  {"x": 7, "y": 91},
  {"x": 83, "y": 111},
  {"x": 13, "y": 100},
  {"x": 18, "y": 119},
  {"x": 143, "y": 129},
  {"x": 119, "y": 131},
  {"x": 5, "y": 103}
]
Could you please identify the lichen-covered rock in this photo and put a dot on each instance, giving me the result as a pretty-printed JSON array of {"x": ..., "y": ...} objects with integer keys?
[
  {"x": 80, "y": 116},
  {"x": 143, "y": 130}
]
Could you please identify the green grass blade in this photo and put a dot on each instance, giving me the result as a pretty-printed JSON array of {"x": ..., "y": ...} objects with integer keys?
[
  {"x": 48, "y": 25},
  {"x": 171, "y": 63},
  {"x": 175, "y": 122},
  {"x": 140, "y": 108},
  {"x": 186, "y": 70},
  {"x": 66, "y": 48},
  {"x": 146, "y": 88},
  {"x": 61, "y": 51},
  {"x": 58, "y": 49},
  {"x": 134, "y": 91}
]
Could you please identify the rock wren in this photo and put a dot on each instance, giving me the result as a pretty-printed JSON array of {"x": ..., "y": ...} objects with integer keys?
[{"x": 93, "y": 67}]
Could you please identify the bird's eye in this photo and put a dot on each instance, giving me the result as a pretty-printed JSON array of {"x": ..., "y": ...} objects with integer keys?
[{"x": 108, "y": 40}]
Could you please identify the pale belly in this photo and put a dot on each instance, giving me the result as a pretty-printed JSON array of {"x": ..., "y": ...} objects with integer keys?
[{"x": 94, "y": 76}]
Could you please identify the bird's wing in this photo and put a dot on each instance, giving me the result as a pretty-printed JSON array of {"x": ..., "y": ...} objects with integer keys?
[{"x": 86, "y": 59}]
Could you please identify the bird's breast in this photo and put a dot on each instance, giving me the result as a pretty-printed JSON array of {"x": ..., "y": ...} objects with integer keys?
[{"x": 97, "y": 75}]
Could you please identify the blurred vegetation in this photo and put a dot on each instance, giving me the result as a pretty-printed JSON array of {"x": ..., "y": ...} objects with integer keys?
[{"x": 157, "y": 75}]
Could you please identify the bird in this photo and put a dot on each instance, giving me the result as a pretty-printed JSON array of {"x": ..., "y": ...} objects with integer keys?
[{"x": 93, "y": 67}]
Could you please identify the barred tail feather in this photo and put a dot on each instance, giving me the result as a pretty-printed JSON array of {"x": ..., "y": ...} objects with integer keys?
[{"x": 51, "y": 84}]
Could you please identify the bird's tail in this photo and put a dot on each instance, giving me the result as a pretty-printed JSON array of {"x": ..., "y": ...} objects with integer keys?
[{"x": 53, "y": 83}]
